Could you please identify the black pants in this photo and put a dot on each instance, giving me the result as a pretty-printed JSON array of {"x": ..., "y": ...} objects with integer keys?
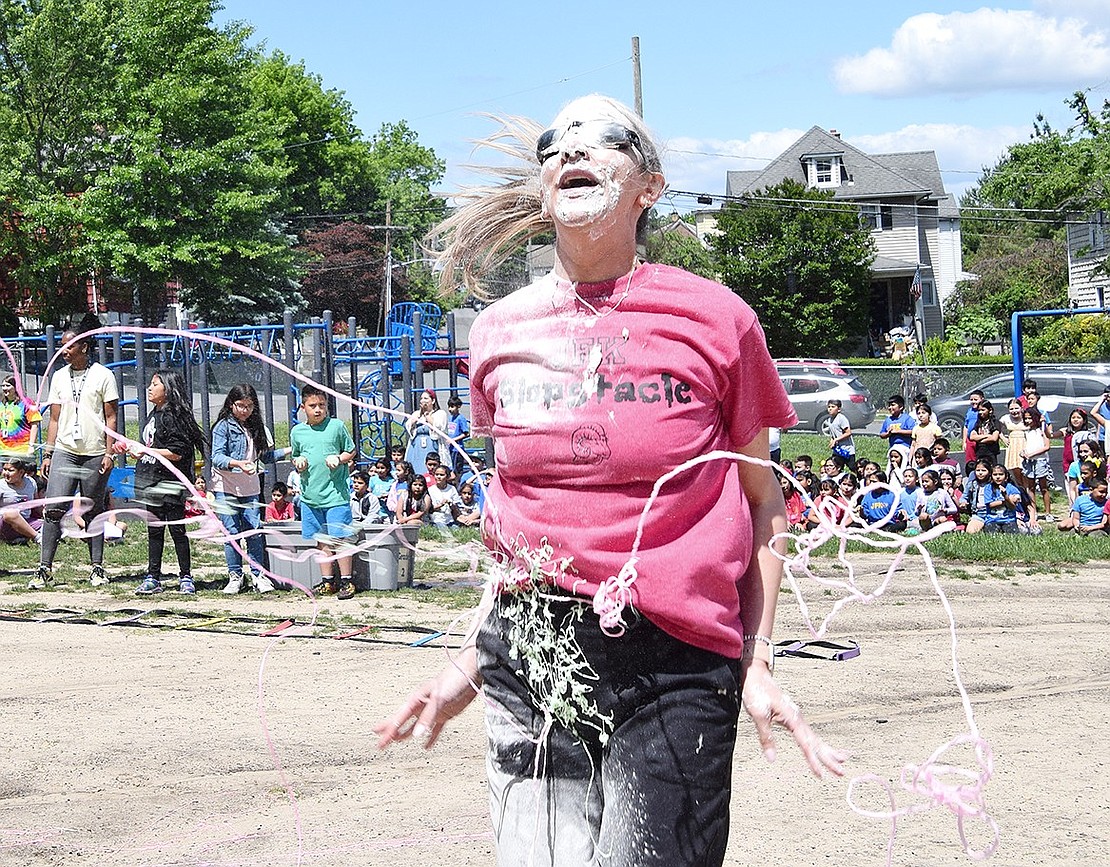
[
  {"x": 172, "y": 514},
  {"x": 654, "y": 790}
]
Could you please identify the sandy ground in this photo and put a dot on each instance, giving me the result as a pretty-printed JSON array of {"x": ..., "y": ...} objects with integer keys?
[{"x": 127, "y": 746}]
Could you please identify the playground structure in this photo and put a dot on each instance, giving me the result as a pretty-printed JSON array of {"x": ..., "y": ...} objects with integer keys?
[{"x": 377, "y": 373}]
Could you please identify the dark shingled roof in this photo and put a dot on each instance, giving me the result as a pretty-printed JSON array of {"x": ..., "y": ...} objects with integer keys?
[{"x": 914, "y": 174}]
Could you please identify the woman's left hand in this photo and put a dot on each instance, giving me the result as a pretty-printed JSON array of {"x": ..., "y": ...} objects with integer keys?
[{"x": 766, "y": 703}]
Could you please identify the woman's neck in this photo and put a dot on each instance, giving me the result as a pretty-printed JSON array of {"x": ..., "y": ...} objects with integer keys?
[
  {"x": 79, "y": 363},
  {"x": 581, "y": 258}
]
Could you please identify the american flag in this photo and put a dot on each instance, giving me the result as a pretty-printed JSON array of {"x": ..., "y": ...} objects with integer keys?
[{"x": 915, "y": 285}]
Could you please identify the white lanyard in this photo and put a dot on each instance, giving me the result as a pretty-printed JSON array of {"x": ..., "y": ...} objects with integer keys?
[{"x": 76, "y": 388}]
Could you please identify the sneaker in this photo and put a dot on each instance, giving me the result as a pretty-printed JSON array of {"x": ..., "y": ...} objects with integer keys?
[
  {"x": 98, "y": 577},
  {"x": 1049, "y": 517},
  {"x": 43, "y": 578},
  {"x": 186, "y": 585},
  {"x": 262, "y": 584},
  {"x": 149, "y": 587},
  {"x": 346, "y": 589},
  {"x": 234, "y": 584},
  {"x": 327, "y": 588}
]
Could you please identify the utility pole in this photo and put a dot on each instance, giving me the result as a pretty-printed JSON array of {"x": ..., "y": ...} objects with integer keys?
[
  {"x": 387, "y": 299},
  {"x": 637, "y": 90}
]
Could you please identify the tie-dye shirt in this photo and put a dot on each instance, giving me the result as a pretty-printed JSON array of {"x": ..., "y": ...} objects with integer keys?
[{"x": 16, "y": 419}]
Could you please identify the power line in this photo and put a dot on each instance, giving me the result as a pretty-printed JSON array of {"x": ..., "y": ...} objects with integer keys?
[
  {"x": 834, "y": 206},
  {"x": 356, "y": 133}
]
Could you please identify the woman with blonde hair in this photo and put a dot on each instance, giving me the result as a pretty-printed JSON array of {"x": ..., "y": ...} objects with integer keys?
[{"x": 613, "y": 652}]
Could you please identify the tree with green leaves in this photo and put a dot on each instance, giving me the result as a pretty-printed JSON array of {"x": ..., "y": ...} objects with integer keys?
[
  {"x": 331, "y": 172},
  {"x": 1030, "y": 274},
  {"x": 1013, "y": 223},
  {"x": 141, "y": 145},
  {"x": 1053, "y": 174},
  {"x": 404, "y": 172},
  {"x": 131, "y": 152},
  {"x": 670, "y": 246},
  {"x": 337, "y": 177},
  {"x": 803, "y": 262},
  {"x": 55, "y": 58}
]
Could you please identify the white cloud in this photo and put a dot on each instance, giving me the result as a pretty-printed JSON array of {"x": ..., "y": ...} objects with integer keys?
[
  {"x": 700, "y": 165},
  {"x": 984, "y": 50}
]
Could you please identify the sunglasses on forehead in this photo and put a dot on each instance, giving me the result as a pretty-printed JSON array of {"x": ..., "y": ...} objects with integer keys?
[{"x": 593, "y": 133}]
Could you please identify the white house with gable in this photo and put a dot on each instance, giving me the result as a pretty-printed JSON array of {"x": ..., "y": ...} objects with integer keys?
[{"x": 901, "y": 196}]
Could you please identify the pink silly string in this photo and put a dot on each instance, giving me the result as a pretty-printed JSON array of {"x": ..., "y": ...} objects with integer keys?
[
  {"x": 271, "y": 748},
  {"x": 959, "y": 790}
]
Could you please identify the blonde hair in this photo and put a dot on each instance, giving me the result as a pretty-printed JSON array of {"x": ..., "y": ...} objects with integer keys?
[{"x": 495, "y": 219}]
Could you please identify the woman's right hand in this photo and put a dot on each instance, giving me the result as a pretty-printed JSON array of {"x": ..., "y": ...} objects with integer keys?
[
  {"x": 300, "y": 463},
  {"x": 428, "y": 708}
]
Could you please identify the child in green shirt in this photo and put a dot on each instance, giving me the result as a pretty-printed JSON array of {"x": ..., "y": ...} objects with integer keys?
[{"x": 322, "y": 451}]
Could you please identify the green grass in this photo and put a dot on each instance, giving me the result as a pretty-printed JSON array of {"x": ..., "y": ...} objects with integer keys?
[
  {"x": 126, "y": 562},
  {"x": 817, "y": 446},
  {"x": 1045, "y": 552}
]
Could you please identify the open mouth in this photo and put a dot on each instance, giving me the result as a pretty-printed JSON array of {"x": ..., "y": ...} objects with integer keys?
[{"x": 577, "y": 180}]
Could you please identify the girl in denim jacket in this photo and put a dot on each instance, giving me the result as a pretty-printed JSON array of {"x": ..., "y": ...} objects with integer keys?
[{"x": 240, "y": 441}]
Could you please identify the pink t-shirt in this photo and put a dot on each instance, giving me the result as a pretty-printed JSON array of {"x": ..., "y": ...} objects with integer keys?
[{"x": 592, "y": 395}]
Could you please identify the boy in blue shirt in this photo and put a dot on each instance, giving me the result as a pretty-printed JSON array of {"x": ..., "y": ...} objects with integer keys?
[
  {"x": 877, "y": 505},
  {"x": 458, "y": 429},
  {"x": 322, "y": 450},
  {"x": 896, "y": 429},
  {"x": 1088, "y": 513}
]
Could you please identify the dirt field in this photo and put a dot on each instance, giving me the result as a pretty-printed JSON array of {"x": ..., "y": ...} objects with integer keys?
[{"x": 127, "y": 746}]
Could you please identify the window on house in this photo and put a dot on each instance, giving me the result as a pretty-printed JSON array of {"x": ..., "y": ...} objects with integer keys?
[
  {"x": 825, "y": 171},
  {"x": 928, "y": 293},
  {"x": 877, "y": 217},
  {"x": 1098, "y": 231}
]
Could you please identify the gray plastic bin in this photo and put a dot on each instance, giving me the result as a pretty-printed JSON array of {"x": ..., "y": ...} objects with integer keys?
[
  {"x": 375, "y": 567},
  {"x": 285, "y": 537},
  {"x": 406, "y": 555}
]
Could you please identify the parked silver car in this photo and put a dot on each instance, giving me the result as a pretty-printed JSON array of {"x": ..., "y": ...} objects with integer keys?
[
  {"x": 1061, "y": 390},
  {"x": 811, "y": 390}
]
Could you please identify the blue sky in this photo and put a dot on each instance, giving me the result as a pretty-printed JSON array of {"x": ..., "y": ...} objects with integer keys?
[{"x": 726, "y": 85}]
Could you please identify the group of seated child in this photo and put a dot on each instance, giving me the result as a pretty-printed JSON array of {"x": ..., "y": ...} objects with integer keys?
[
  {"x": 931, "y": 491},
  {"x": 20, "y": 483},
  {"x": 442, "y": 497}
]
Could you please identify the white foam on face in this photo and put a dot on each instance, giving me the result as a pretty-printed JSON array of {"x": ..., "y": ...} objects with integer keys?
[{"x": 584, "y": 205}]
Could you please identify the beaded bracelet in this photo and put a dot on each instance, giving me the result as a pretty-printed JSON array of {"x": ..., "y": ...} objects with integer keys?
[{"x": 762, "y": 639}]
